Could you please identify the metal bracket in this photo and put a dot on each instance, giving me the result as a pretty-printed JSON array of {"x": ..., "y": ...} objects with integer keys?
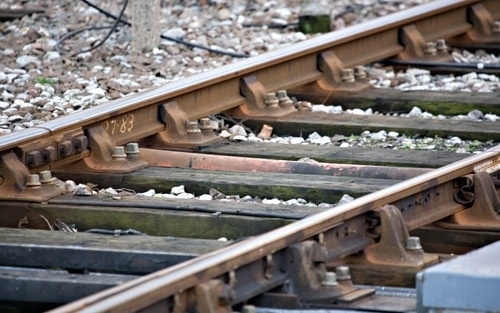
[
  {"x": 62, "y": 148},
  {"x": 259, "y": 101},
  {"x": 337, "y": 78},
  {"x": 105, "y": 157},
  {"x": 309, "y": 279},
  {"x": 394, "y": 250},
  {"x": 484, "y": 29},
  {"x": 416, "y": 48},
  {"x": 180, "y": 133},
  {"x": 16, "y": 182},
  {"x": 484, "y": 212}
]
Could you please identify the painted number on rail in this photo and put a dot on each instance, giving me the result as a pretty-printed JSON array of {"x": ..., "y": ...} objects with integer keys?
[{"x": 123, "y": 124}]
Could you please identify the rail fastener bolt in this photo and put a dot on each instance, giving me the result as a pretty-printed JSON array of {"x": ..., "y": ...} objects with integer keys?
[
  {"x": 496, "y": 27},
  {"x": 46, "y": 177},
  {"x": 34, "y": 158},
  {"x": 119, "y": 153},
  {"x": 49, "y": 154},
  {"x": 192, "y": 128},
  {"x": 430, "y": 48},
  {"x": 272, "y": 101},
  {"x": 81, "y": 143},
  {"x": 66, "y": 148},
  {"x": 441, "y": 46},
  {"x": 132, "y": 150},
  {"x": 359, "y": 72},
  {"x": 205, "y": 124},
  {"x": 413, "y": 243},
  {"x": 347, "y": 75},
  {"x": 343, "y": 273},
  {"x": 330, "y": 279},
  {"x": 283, "y": 98},
  {"x": 33, "y": 181}
]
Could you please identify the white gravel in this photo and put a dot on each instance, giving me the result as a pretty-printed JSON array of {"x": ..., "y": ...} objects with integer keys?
[
  {"x": 418, "y": 79},
  {"x": 38, "y": 84},
  {"x": 380, "y": 139},
  {"x": 178, "y": 192}
]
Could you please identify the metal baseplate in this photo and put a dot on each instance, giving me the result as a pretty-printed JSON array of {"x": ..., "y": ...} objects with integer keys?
[
  {"x": 17, "y": 183},
  {"x": 394, "y": 258},
  {"x": 105, "y": 157},
  {"x": 479, "y": 193},
  {"x": 259, "y": 101},
  {"x": 416, "y": 48},
  {"x": 485, "y": 30},
  {"x": 180, "y": 133}
]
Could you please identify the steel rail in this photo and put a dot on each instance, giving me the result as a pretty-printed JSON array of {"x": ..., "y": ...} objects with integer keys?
[
  {"x": 147, "y": 290},
  {"x": 219, "y": 89}
]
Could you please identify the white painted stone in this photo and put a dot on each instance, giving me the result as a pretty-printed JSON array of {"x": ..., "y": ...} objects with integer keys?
[
  {"x": 271, "y": 201},
  {"x": 176, "y": 190},
  {"x": 205, "y": 197}
]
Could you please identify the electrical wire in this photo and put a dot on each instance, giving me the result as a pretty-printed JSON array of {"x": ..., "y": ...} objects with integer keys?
[
  {"x": 112, "y": 29},
  {"x": 118, "y": 19}
]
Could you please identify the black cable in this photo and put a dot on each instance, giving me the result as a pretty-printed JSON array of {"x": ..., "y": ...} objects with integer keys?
[
  {"x": 194, "y": 45},
  {"x": 480, "y": 67},
  {"x": 176, "y": 40},
  {"x": 112, "y": 29},
  {"x": 118, "y": 19}
]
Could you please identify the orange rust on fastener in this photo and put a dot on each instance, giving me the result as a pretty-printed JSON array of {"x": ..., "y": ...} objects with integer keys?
[{"x": 179, "y": 159}]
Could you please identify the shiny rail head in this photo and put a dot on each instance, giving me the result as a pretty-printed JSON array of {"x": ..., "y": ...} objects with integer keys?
[{"x": 338, "y": 41}]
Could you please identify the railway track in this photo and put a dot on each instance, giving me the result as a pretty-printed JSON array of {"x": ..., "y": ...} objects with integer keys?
[{"x": 412, "y": 209}]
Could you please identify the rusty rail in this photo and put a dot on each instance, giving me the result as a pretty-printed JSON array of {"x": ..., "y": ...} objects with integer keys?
[
  {"x": 159, "y": 117},
  {"x": 436, "y": 187},
  {"x": 161, "y": 113}
]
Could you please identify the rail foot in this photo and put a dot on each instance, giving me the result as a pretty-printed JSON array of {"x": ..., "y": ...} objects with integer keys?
[
  {"x": 18, "y": 184},
  {"x": 310, "y": 280},
  {"x": 485, "y": 31},
  {"x": 180, "y": 133},
  {"x": 105, "y": 157},
  {"x": 483, "y": 213},
  {"x": 259, "y": 102},
  {"x": 337, "y": 78},
  {"x": 417, "y": 49},
  {"x": 394, "y": 258}
]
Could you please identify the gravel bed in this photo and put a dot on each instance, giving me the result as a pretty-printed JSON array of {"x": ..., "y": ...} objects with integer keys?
[
  {"x": 418, "y": 79},
  {"x": 367, "y": 139},
  {"x": 38, "y": 83},
  {"x": 179, "y": 192}
]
